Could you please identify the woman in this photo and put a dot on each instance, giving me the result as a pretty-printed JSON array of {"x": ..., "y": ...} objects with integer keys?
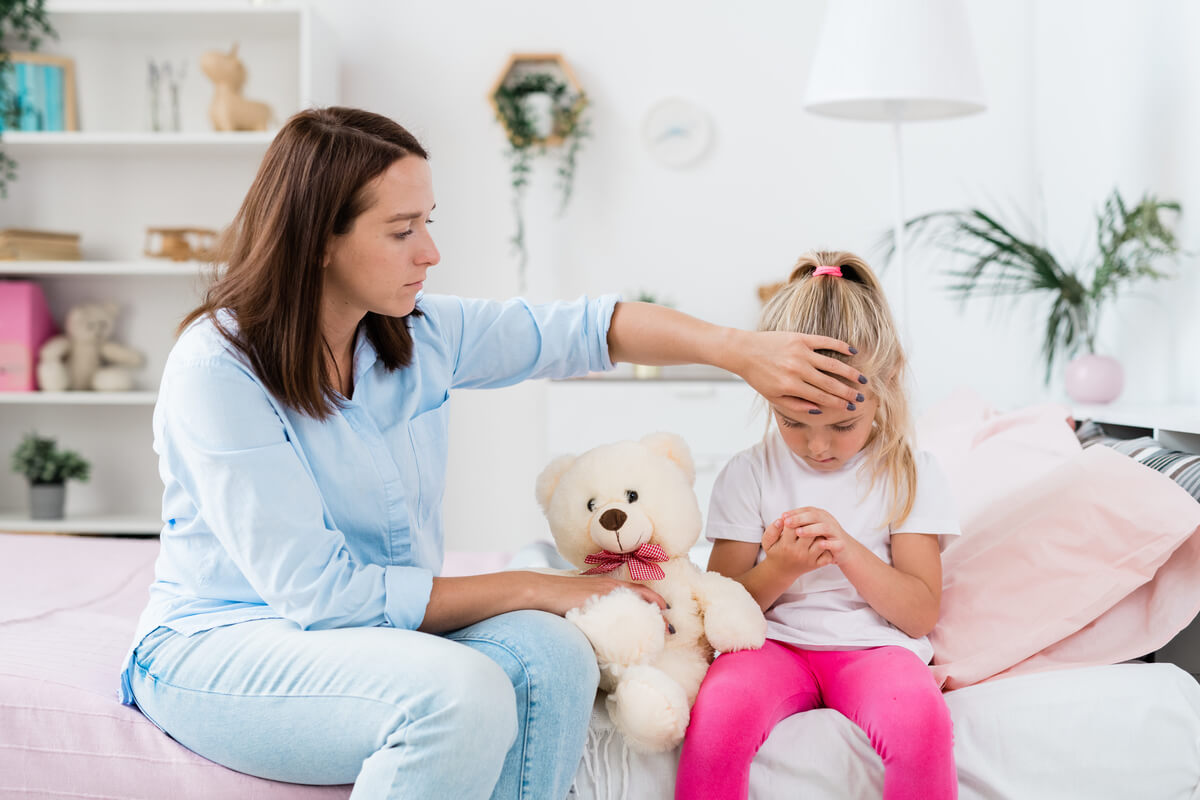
[{"x": 297, "y": 629}]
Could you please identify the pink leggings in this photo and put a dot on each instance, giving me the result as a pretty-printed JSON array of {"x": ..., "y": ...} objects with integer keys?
[{"x": 886, "y": 691}]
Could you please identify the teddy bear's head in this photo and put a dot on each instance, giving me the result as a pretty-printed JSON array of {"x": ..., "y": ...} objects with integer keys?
[
  {"x": 92, "y": 322},
  {"x": 619, "y": 496}
]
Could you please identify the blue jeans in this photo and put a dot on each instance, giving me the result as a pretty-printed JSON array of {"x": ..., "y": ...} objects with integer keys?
[{"x": 498, "y": 709}]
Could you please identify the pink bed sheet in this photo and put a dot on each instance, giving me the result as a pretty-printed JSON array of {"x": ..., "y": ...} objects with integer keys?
[{"x": 68, "y": 606}]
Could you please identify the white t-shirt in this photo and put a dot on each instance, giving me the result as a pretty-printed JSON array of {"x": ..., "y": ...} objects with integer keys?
[{"x": 822, "y": 609}]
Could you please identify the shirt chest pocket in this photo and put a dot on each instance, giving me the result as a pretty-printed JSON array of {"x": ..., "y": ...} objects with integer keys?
[{"x": 428, "y": 435}]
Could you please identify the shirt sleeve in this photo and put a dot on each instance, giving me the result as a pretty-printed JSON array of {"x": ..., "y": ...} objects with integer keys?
[
  {"x": 733, "y": 511},
  {"x": 493, "y": 344},
  {"x": 224, "y": 441},
  {"x": 934, "y": 509}
]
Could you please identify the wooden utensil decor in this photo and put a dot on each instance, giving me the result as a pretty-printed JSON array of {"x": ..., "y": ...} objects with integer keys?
[{"x": 181, "y": 244}]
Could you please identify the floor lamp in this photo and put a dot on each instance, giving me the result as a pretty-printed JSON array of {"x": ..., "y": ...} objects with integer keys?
[{"x": 895, "y": 61}]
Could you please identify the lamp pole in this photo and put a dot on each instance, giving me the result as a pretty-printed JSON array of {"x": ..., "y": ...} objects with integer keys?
[{"x": 898, "y": 232}]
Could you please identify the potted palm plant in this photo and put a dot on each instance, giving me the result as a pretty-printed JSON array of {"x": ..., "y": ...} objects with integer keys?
[
  {"x": 47, "y": 469},
  {"x": 1131, "y": 243}
]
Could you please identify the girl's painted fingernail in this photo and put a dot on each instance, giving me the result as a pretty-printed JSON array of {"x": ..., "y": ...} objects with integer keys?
[
  {"x": 670, "y": 627},
  {"x": 850, "y": 406},
  {"x": 853, "y": 351},
  {"x": 862, "y": 378},
  {"x": 814, "y": 411},
  {"x": 668, "y": 605},
  {"x": 860, "y": 398}
]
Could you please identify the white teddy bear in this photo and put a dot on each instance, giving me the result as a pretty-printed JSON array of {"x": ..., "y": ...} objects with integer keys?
[
  {"x": 628, "y": 509},
  {"x": 84, "y": 357}
]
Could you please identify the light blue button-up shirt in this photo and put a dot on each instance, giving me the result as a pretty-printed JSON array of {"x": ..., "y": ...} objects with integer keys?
[{"x": 338, "y": 522}]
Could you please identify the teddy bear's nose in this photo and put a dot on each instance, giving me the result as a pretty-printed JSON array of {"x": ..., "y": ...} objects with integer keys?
[{"x": 613, "y": 519}]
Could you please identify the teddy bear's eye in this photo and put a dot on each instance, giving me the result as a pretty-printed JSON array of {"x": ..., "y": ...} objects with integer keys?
[
  {"x": 592, "y": 504},
  {"x": 631, "y": 496}
]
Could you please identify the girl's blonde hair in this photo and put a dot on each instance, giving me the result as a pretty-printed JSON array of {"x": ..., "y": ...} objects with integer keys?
[{"x": 852, "y": 308}]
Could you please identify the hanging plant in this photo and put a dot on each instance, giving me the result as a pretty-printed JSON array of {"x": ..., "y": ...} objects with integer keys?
[
  {"x": 539, "y": 109},
  {"x": 20, "y": 21}
]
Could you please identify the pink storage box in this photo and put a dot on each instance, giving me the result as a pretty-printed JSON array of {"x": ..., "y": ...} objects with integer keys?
[{"x": 25, "y": 325}]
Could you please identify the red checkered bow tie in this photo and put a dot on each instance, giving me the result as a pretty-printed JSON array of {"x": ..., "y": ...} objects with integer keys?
[{"x": 640, "y": 561}]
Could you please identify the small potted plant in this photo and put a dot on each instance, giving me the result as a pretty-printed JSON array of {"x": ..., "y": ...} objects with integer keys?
[
  {"x": 47, "y": 469},
  {"x": 1131, "y": 242}
]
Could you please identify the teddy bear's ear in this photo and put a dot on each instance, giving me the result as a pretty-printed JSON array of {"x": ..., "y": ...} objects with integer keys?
[
  {"x": 547, "y": 482},
  {"x": 674, "y": 448}
]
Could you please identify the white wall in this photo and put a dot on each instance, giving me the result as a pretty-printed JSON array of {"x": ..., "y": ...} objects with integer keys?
[
  {"x": 1117, "y": 102},
  {"x": 1081, "y": 95},
  {"x": 777, "y": 181}
]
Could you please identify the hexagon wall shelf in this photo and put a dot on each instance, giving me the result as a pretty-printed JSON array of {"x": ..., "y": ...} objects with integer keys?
[{"x": 521, "y": 64}]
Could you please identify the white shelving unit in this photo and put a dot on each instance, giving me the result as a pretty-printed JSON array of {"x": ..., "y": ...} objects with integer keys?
[
  {"x": 111, "y": 180},
  {"x": 1176, "y": 426},
  {"x": 78, "y": 398},
  {"x": 144, "y": 268},
  {"x": 103, "y": 524}
]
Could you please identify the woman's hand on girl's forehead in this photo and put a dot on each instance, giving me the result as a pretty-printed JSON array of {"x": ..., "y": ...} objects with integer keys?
[{"x": 786, "y": 369}]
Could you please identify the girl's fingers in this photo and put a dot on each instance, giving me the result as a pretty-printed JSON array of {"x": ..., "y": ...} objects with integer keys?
[
  {"x": 771, "y": 534},
  {"x": 800, "y": 517}
]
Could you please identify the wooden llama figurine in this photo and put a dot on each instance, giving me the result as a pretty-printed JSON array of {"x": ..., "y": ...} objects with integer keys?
[{"x": 229, "y": 110}]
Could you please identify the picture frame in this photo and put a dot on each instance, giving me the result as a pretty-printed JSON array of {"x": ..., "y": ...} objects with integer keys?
[{"x": 37, "y": 93}]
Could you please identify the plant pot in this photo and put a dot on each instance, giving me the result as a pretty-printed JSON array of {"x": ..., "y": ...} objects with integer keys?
[
  {"x": 46, "y": 500},
  {"x": 1094, "y": 379},
  {"x": 646, "y": 371},
  {"x": 539, "y": 107}
]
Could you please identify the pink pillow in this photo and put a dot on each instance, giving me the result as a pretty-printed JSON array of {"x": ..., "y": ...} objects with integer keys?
[
  {"x": 988, "y": 455},
  {"x": 1054, "y": 539}
]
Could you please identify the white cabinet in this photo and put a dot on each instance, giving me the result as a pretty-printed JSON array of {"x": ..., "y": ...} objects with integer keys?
[
  {"x": 716, "y": 416},
  {"x": 109, "y": 182}
]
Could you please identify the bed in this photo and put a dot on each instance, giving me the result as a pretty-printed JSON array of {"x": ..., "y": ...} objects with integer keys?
[{"x": 1042, "y": 606}]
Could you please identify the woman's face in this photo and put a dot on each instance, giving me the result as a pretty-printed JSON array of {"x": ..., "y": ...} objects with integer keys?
[{"x": 379, "y": 265}]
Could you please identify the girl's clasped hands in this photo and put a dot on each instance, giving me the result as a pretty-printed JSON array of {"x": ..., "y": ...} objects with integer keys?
[{"x": 804, "y": 539}]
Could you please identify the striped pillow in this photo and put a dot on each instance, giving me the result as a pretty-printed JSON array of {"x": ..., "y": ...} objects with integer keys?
[{"x": 1181, "y": 467}]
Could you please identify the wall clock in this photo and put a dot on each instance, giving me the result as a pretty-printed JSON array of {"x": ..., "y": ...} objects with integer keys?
[{"x": 677, "y": 132}]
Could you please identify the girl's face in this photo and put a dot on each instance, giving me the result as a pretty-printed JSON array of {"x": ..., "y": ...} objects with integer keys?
[
  {"x": 380, "y": 264},
  {"x": 826, "y": 441}
]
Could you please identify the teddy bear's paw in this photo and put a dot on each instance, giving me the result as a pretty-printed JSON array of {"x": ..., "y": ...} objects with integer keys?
[
  {"x": 727, "y": 630},
  {"x": 650, "y": 709},
  {"x": 622, "y": 627}
]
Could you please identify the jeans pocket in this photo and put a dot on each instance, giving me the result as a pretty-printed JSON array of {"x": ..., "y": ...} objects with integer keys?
[{"x": 143, "y": 654}]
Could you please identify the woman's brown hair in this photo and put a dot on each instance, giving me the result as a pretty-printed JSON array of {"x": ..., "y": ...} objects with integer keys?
[
  {"x": 313, "y": 183},
  {"x": 853, "y": 308}
]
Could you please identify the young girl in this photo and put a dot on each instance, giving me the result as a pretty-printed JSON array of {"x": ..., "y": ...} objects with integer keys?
[{"x": 831, "y": 523}]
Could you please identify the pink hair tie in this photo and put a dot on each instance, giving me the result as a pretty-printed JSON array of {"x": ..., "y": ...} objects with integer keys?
[{"x": 825, "y": 269}]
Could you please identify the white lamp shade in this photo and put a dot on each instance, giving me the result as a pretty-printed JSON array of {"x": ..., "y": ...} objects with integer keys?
[{"x": 897, "y": 60}]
